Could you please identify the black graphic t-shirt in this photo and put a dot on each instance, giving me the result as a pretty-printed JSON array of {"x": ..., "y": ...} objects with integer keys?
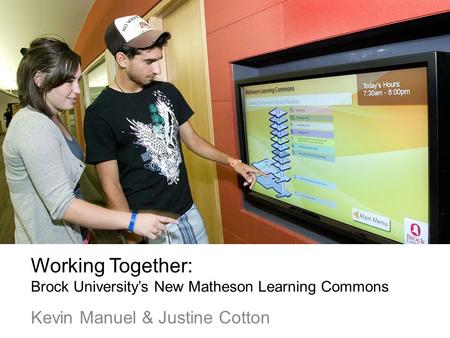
[{"x": 140, "y": 131}]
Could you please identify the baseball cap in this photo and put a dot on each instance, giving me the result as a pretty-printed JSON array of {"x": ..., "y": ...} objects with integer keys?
[{"x": 132, "y": 31}]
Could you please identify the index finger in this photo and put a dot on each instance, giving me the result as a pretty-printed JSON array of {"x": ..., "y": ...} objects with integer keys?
[
  {"x": 261, "y": 173},
  {"x": 257, "y": 171},
  {"x": 253, "y": 170},
  {"x": 167, "y": 220}
]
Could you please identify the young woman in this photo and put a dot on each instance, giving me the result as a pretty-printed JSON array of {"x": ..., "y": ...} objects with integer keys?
[{"x": 43, "y": 163}]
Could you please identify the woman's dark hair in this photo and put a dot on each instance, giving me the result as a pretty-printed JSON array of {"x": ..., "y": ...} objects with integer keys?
[
  {"x": 131, "y": 52},
  {"x": 55, "y": 60}
]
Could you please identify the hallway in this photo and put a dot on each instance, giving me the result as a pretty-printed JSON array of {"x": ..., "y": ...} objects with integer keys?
[{"x": 6, "y": 209}]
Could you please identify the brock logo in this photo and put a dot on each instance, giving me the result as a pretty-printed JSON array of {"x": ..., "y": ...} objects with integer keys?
[{"x": 415, "y": 229}]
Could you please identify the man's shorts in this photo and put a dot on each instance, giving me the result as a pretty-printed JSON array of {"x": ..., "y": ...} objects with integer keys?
[{"x": 190, "y": 229}]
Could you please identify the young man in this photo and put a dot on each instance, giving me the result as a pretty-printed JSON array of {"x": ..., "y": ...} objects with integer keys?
[{"x": 133, "y": 132}]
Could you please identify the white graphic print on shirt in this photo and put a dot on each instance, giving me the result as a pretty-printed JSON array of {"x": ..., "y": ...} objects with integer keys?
[{"x": 160, "y": 139}]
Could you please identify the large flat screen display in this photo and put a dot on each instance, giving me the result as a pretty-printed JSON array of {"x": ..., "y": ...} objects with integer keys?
[{"x": 348, "y": 149}]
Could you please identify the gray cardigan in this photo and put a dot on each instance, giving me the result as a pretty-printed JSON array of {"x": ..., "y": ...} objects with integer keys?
[{"x": 41, "y": 173}]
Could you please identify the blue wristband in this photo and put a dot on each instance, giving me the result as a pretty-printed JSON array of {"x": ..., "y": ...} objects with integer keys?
[{"x": 132, "y": 221}]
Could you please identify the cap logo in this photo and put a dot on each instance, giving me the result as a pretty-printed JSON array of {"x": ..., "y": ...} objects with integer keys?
[
  {"x": 132, "y": 26},
  {"x": 144, "y": 25}
]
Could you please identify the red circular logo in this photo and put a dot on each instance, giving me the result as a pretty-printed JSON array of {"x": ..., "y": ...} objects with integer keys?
[{"x": 415, "y": 229}]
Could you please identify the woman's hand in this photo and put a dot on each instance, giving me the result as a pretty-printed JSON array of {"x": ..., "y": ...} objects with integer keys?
[{"x": 151, "y": 225}]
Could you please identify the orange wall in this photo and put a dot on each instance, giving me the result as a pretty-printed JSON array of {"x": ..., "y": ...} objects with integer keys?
[{"x": 239, "y": 29}]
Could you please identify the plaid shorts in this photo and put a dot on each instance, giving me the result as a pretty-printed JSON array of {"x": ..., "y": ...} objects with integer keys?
[{"x": 190, "y": 229}]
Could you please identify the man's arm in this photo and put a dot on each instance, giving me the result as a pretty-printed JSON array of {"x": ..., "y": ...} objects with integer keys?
[
  {"x": 206, "y": 150},
  {"x": 108, "y": 175}
]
